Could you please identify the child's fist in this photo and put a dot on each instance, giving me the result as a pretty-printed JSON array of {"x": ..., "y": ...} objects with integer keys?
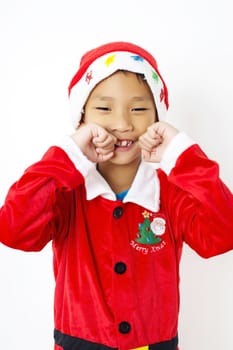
[
  {"x": 95, "y": 142},
  {"x": 155, "y": 140}
]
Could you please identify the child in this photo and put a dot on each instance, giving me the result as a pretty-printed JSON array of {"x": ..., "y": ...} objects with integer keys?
[{"x": 117, "y": 225}]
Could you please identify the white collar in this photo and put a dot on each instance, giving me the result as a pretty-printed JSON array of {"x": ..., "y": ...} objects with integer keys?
[{"x": 145, "y": 189}]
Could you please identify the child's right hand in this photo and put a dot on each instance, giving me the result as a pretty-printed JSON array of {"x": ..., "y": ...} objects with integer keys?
[{"x": 95, "y": 142}]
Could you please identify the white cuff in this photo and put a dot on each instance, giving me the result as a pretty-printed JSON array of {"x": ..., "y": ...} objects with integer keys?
[
  {"x": 175, "y": 148},
  {"x": 82, "y": 164}
]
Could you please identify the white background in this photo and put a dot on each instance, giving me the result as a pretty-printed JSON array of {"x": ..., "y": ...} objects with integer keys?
[{"x": 41, "y": 44}]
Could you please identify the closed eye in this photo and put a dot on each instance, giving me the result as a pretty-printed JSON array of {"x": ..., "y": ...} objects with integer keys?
[
  {"x": 139, "y": 109},
  {"x": 103, "y": 108}
]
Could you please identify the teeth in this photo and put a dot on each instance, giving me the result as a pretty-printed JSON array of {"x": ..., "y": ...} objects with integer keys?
[{"x": 124, "y": 143}]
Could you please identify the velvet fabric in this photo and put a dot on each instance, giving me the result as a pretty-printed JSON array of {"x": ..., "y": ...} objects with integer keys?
[{"x": 116, "y": 264}]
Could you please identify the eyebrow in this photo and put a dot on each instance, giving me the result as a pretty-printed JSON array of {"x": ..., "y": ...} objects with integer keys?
[
  {"x": 103, "y": 98},
  {"x": 134, "y": 98}
]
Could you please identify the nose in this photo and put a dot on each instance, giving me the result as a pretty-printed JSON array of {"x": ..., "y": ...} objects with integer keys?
[{"x": 121, "y": 122}]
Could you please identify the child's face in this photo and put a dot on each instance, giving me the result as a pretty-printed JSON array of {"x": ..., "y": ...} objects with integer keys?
[{"x": 122, "y": 104}]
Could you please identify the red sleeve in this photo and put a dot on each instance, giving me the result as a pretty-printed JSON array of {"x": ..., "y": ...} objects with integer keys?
[
  {"x": 28, "y": 218},
  {"x": 199, "y": 204}
]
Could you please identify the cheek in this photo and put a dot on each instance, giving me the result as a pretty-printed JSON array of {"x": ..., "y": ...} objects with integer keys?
[
  {"x": 92, "y": 118},
  {"x": 142, "y": 125}
]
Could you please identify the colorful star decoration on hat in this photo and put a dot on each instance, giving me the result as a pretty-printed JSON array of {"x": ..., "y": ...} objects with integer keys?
[
  {"x": 155, "y": 76},
  {"x": 110, "y": 60},
  {"x": 137, "y": 58},
  {"x": 88, "y": 77},
  {"x": 162, "y": 95}
]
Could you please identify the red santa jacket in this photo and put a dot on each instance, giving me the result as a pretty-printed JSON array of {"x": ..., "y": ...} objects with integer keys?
[{"x": 116, "y": 263}]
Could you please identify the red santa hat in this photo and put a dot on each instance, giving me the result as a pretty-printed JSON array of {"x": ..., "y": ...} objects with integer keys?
[{"x": 101, "y": 62}]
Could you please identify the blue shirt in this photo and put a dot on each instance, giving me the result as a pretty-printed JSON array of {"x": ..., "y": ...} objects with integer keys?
[{"x": 121, "y": 196}]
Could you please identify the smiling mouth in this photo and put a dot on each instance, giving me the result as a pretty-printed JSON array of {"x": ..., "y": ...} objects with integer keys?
[{"x": 124, "y": 143}]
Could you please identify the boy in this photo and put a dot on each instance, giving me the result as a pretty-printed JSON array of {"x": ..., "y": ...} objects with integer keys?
[{"x": 116, "y": 224}]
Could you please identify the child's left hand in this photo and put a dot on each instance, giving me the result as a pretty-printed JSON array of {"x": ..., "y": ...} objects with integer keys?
[{"x": 155, "y": 140}]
